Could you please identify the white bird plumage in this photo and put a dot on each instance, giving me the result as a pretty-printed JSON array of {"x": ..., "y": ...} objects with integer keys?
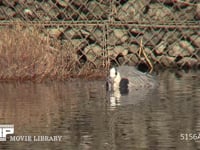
[{"x": 129, "y": 77}]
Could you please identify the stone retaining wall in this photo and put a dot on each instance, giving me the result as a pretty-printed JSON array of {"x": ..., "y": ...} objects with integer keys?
[{"x": 112, "y": 31}]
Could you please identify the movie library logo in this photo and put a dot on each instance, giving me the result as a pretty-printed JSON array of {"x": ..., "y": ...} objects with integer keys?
[
  {"x": 9, "y": 130},
  {"x": 5, "y": 130}
]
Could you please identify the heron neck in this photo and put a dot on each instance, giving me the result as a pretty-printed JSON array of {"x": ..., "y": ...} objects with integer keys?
[{"x": 117, "y": 81}]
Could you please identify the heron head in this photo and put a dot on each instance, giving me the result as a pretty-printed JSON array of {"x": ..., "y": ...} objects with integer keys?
[
  {"x": 113, "y": 73},
  {"x": 114, "y": 78}
]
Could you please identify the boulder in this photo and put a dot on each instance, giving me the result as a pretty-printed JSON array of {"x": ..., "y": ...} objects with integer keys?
[
  {"x": 93, "y": 49},
  {"x": 160, "y": 48},
  {"x": 153, "y": 37},
  {"x": 132, "y": 59},
  {"x": 21, "y": 2},
  {"x": 171, "y": 37},
  {"x": 116, "y": 51},
  {"x": 169, "y": 2},
  {"x": 120, "y": 34},
  {"x": 73, "y": 33},
  {"x": 6, "y": 13},
  {"x": 117, "y": 37},
  {"x": 8, "y": 3},
  {"x": 92, "y": 52},
  {"x": 29, "y": 13},
  {"x": 133, "y": 48},
  {"x": 186, "y": 14},
  {"x": 195, "y": 39},
  {"x": 160, "y": 13},
  {"x": 97, "y": 10},
  {"x": 183, "y": 48},
  {"x": 52, "y": 13},
  {"x": 121, "y": 60},
  {"x": 149, "y": 53},
  {"x": 97, "y": 35},
  {"x": 129, "y": 11},
  {"x": 165, "y": 60},
  {"x": 85, "y": 33},
  {"x": 62, "y": 3},
  {"x": 55, "y": 32},
  {"x": 197, "y": 13},
  {"x": 187, "y": 46},
  {"x": 78, "y": 44},
  {"x": 69, "y": 13},
  {"x": 187, "y": 61},
  {"x": 2, "y": 16},
  {"x": 135, "y": 31},
  {"x": 78, "y": 3},
  {"x": 93, "y": 34}
]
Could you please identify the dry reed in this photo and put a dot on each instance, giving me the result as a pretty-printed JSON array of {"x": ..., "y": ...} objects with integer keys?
[{"x": 27, "y": 54}]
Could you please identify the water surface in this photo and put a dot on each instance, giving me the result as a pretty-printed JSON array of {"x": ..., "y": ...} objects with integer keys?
[{"x": 87, "y": 117}]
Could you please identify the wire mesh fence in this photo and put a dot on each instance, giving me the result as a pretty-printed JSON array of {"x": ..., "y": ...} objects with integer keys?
[{"x": 114, "y": 32}]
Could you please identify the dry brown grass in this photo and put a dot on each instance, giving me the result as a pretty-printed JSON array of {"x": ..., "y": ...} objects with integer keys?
[{"x": 26, "y": 54}]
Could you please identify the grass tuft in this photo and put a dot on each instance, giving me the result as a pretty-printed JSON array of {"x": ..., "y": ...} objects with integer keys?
[{"x": 26, "y": 54}]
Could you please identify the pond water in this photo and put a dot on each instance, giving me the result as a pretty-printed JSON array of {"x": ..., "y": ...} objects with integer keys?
[{"x": 87, "y": 117}]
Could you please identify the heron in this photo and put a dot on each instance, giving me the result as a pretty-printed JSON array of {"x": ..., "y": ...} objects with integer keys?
[{"x": 126, "y": 78}]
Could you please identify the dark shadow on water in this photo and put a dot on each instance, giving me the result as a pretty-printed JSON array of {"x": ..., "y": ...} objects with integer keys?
[{"x": 89, "y": 118}]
